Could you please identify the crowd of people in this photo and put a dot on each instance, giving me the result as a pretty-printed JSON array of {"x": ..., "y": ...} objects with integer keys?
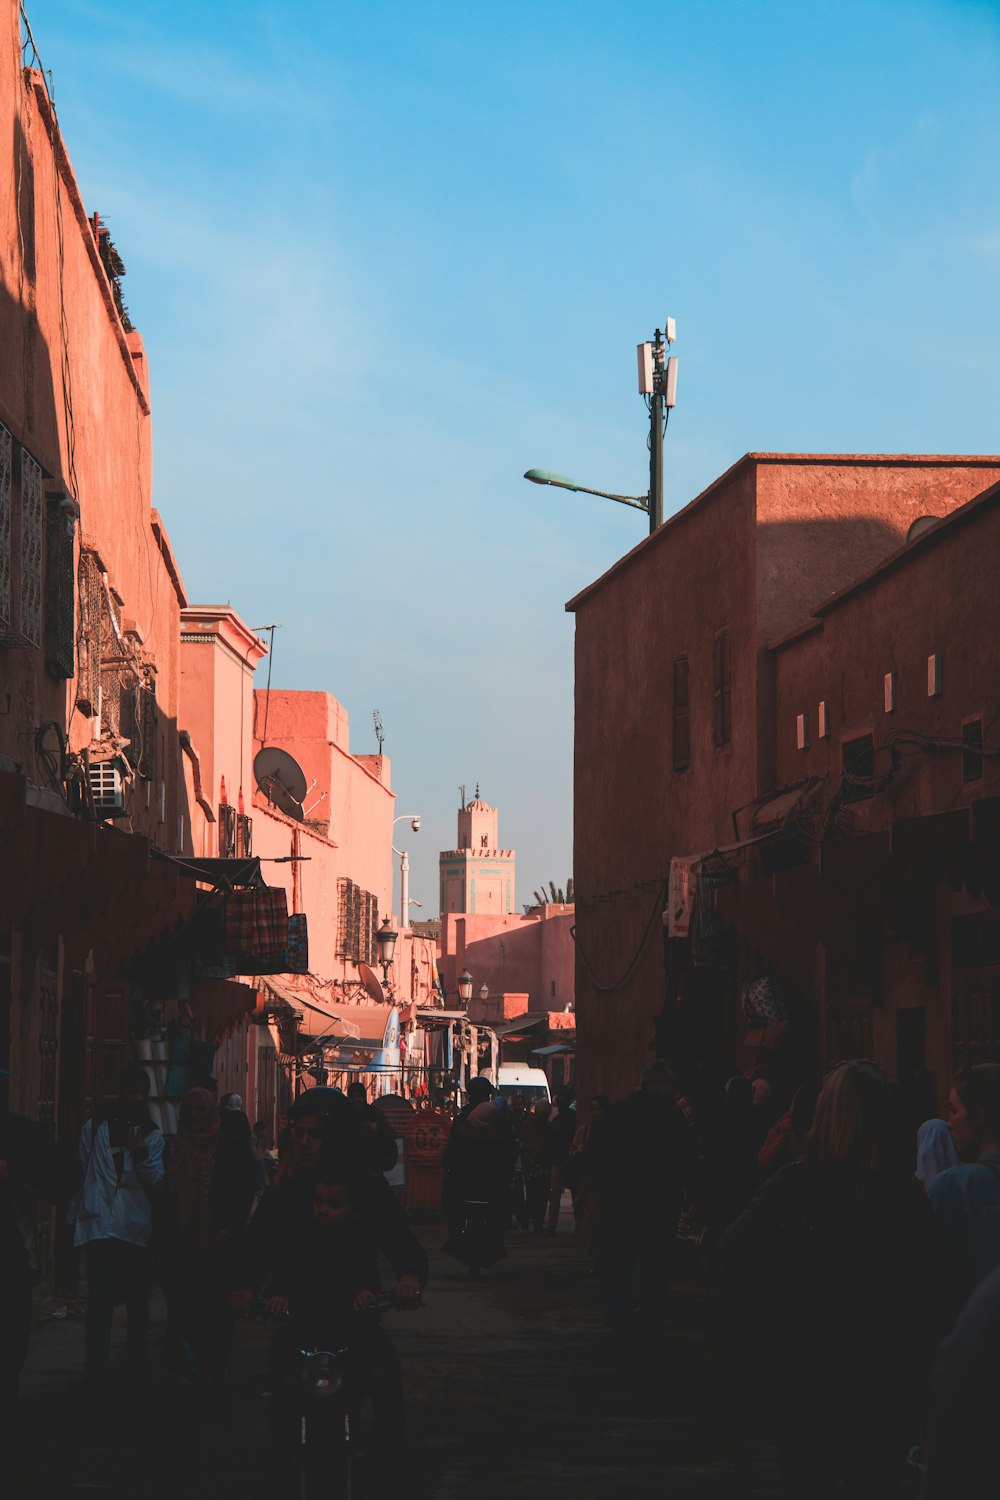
[
  {"x": 227, "y": 1235},
  {"x": 858, "y": 1259},
  {"x": 854, "y": 1256}
]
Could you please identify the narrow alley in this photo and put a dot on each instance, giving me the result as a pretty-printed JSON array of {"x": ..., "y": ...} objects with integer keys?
[{"x": 509, "y": 1392}]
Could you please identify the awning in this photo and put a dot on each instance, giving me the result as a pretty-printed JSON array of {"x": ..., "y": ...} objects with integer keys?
[
  {"x": 221, "y": 1005},
  {"x": 511, "y": 1028},
  {"x": 346, "y": 1026},
  {"x": 554, "y": 1051}
]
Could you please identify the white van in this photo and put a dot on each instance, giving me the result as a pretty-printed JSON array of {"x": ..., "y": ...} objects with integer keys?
[{"x": 518, "y": 1078}]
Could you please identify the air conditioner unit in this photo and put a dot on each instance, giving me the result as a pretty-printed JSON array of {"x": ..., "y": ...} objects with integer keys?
[{"x": 107, "y": 788}]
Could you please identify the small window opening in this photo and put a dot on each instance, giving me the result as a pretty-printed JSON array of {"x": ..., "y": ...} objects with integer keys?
[
  {"x": 972, "y": 750},
  {"x": 859, "y": 767}
]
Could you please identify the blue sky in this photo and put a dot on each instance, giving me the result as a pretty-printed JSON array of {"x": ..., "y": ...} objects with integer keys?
[{"x": 386, "y": 257}]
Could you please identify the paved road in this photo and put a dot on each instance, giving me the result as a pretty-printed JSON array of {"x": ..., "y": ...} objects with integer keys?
[{"x": 510, "y": 1391}]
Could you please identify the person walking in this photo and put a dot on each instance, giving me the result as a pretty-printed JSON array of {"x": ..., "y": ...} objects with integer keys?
[
  {"x": 536, "y": 1170},
  {"x": 839, "y": 1257},
  {"x": 640, "y": 1162},
  {"x": 121, "y": 1156},
  {"x": 966, "y": 1198},
  {"x": 210, "y": 1178}
]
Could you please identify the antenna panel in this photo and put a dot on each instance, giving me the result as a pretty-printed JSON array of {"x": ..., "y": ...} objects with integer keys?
[
  {"x": 645, "y": 356},
  {"x": 670, "y": 390}
]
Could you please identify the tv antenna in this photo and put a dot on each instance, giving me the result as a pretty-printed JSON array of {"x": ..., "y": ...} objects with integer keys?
[{"x": 379, "y": 729}]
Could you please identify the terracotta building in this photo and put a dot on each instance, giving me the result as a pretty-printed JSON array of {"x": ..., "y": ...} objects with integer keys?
[
  {"x": 681, "y": 748},
  {"x": 155, "y": 903},
  {"x": 90, "y": 599}
]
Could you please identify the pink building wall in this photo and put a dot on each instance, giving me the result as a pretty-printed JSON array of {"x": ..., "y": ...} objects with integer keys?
[
  {"x": 104, "y": 404},
  {"x": 530, "y": 955},
  {"x": 218, "y": 654}
]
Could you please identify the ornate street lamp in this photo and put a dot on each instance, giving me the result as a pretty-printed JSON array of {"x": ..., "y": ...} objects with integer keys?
[
  {"x": 484, "y": 993},
  {"x": 464, "y": 986},
  {"x": 385, "y": 941}
]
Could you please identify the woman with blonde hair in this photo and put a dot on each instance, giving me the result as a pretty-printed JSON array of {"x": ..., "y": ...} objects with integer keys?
[{"x": 841, "y": 1257}]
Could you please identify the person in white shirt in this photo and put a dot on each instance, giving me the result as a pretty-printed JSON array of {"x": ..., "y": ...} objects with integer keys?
[{"x": 121, "y": 1153}]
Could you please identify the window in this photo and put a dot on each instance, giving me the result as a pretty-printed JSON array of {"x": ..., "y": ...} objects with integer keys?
[
  {"x": 722, "y": 680},
  {"x": 31, "y": 550},
  {"x": 859, "y": 768},
  {"x": 357, "y": 922},
  {"x": 227, "y": 831},
  {"x": 22, "y": 538},
  {"x": 802, "y": 731},
  {"x": 681, "y": 715},
  {"x": 972, "y": 750},
  {"x": 60, "y": 586}
]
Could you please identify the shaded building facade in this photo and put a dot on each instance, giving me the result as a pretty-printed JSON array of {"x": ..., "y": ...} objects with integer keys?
[{"x": 679, "y": 755}]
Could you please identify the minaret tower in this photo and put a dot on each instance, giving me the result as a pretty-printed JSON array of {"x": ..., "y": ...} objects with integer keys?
[{"x": 477, "y": 877}]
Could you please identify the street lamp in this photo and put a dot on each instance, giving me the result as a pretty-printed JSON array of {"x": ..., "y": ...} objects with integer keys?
[
  {"x": 560, "y": 482},
  {"x": 658, "y": 384},
  {"x": 385, "y": 942},
  {"x": 404, "y": 868},
  {"x": 484, "y": 993},
  {"x": 465, "y": 986}
]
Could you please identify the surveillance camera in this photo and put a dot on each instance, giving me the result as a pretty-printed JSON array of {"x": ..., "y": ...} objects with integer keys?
[{"x": 415, "y": 825}]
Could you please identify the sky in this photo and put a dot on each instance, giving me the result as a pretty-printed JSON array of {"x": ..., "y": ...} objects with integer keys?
[{"x": 386, "y": 257}]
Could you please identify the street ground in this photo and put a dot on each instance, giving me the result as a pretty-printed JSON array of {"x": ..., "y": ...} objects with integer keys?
[{"x": 510, "y": 1391}]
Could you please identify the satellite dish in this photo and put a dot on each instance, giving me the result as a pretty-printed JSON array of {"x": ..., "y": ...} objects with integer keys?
[
  {"x": 371, "y": 982},
  {"x": 280, "y": 778}
]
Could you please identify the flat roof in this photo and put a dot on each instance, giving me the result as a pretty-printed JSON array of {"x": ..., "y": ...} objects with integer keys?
[
  {"x": 954, "y": 521},
  {"x": 870, "y": 460}
]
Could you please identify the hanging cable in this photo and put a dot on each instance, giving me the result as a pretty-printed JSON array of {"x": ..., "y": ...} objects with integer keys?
[{"x": 607, "y": 989}]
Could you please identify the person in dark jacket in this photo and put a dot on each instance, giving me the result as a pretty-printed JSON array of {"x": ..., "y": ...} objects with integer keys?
[
  {"x": 320, "y": 1133},
  {"x": 641, "y": 1158},
  {"x": 839, "y": 1258},
  {"x": 211, "y": 1177},
  {"x": 966, "y": 1198},
  {"x": 30, "y": 1164},
  {"x": 326, "y": 1287},
  {"x": 374, "y": 1140},
  {"x": 962, "y": 1441},
  {"x": 478, "y": 1167}
]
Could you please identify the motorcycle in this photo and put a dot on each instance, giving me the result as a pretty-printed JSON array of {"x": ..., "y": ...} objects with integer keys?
[{"x": 333, "y": 1418}]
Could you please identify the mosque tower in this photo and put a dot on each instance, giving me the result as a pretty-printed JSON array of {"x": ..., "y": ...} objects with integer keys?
[{"x": 477, "y": 877}]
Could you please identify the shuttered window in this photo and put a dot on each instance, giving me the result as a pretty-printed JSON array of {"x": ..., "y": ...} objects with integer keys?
[
  {"x": 681, "y": 714},
  {"x": 722, "y": 682}
]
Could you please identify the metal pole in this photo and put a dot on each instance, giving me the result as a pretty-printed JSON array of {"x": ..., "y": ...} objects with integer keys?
[
  {"x": 656, "y": 438},
  {"x": 404, "y": 889}
]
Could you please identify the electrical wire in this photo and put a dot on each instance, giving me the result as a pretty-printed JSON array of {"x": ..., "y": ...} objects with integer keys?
[{"x": 620, "y": 984}]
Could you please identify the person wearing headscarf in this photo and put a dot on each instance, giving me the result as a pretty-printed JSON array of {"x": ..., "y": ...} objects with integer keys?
[
  {"x": 211, "y": 1179},
  {"x": 935, "y": 1151}
]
